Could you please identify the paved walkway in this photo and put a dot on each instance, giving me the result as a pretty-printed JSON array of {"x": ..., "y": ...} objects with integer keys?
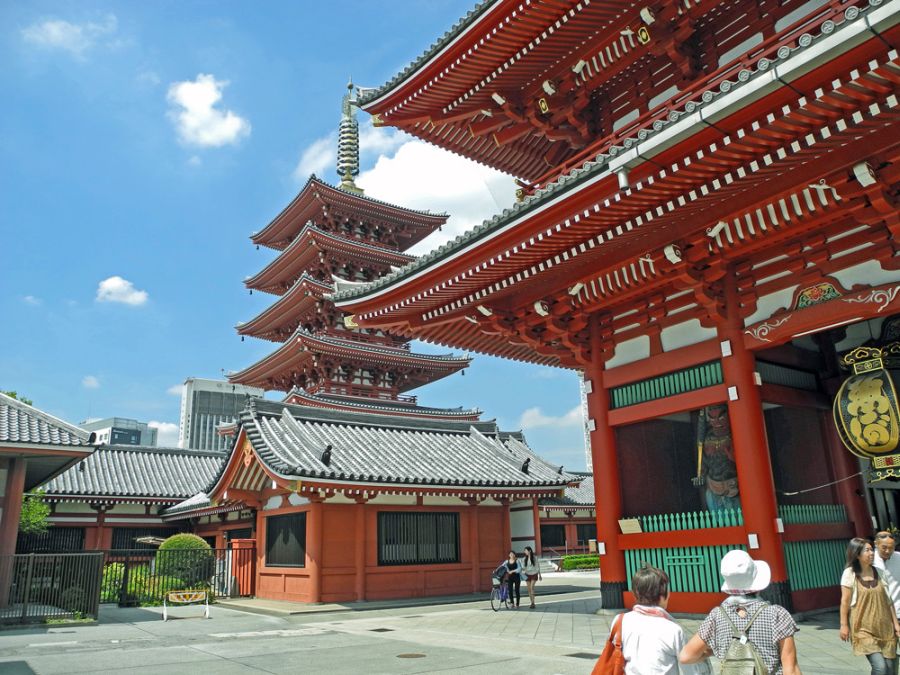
[{"x": 563, "y": 635}]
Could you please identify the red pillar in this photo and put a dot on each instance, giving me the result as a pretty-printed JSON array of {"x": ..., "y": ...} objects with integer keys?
[
  {"x": 314, "y": 549},
  {"x": 9, "y": 522},
  {"x": 751, "y": 447},
  {"x": 359, "y": 549},
  {"x": 536, "y": 512},
  {"x": 607, "y": 493},
  {"x": 12, "y": 505},
  {"x": 474, "y": 544},
  {"x": 850, "y": 491},
  {"x": 504, "y": 527}
]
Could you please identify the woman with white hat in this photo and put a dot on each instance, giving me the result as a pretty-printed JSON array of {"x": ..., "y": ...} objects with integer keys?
[
  {"x": 867, "y": 614},
  {"x": 768, "y": 628}
]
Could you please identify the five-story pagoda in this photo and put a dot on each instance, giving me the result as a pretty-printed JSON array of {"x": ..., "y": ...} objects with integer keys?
[{"x": 328, "y": 238}]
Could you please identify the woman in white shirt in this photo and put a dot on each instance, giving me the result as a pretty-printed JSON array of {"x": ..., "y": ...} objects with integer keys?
[
  {"x": 651, "y": 640},
  {"x": 531, "y": 571}
]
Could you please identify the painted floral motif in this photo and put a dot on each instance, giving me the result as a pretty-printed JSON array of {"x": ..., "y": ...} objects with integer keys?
[
  {"x": 822, "y": 292},
  {"x": 762, "y": 330},
  {"x": 881, "y": 297}
]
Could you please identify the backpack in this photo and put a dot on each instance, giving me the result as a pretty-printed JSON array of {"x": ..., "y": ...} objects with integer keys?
[
  {"x": 742, "y": 657},
  {"x": 612, "y": 661}
]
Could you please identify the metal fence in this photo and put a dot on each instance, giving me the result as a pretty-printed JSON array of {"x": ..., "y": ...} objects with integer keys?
[
  {"x": 139, "y": 577},
  {"x": 35, "y": 587}
]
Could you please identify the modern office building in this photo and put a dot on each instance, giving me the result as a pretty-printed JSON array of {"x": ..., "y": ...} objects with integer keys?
[
  {"x": 204, "y": 405},
  {"x": 121, "y": 431}
]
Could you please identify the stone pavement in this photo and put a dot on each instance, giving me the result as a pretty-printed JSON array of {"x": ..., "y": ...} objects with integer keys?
[{"x": 563, "y": 635}]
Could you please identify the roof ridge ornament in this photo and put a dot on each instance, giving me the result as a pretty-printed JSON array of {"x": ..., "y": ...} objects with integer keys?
[{"x": 348, "y": 142}]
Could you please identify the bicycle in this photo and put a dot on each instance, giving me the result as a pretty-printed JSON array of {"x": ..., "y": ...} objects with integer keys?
[{"x": 500, "y": 595}]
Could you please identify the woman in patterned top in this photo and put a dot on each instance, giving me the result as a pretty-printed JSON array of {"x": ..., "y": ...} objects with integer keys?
[
  {"x": 867, "y": 614},
  {"x": 772, "y": 628}
]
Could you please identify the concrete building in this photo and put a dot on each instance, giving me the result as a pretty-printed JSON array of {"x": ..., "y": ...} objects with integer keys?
[
  {"x": 204, "y": 405},
  {"x": 121, "y": 431}
]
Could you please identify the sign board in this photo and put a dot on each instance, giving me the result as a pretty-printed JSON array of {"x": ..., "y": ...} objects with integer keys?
[{"x": 630, "y": 526}]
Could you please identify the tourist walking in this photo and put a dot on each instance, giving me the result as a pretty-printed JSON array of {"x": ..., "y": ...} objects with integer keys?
[
  {"x": 868, "y": 619},
  {"x": 651, "y": 639},
  {"x": 888, "y": 560},
  {"x": 531, "y": 569},
  {"x": 513, "y": 577},
  {"x": 745, "y": 628}
]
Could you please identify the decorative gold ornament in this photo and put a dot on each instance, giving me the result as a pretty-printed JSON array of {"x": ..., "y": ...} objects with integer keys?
[
  {"x": 643, "y": 35},
  {"x": 865, "y": 407}
]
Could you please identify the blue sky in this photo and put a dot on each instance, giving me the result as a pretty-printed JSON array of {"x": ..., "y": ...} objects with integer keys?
[{"x": 142, "y": 143}]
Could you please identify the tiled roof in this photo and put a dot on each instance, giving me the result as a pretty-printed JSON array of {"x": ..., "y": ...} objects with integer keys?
[
  {"x": 22, "y": 423},
  {"x": 592, "y": 167},
  {"x": 369, "y": 95},
  {"x": 291, "y": 441},
  {"x": 368, "y": 404},
  {"x": 583, "y": 495},
  {"x": 139, "y": 471}
]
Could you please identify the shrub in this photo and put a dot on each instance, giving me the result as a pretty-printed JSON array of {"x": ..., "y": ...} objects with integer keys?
[
  {"x": 187, "y": 558},
  {"x": 581, "y": 562},
  {"x": 111, "y": 582}
]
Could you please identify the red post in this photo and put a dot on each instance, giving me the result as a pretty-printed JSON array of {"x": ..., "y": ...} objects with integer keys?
[
  {"x": 474, "y": 544},
  {"x": 243, "y": 566},
  {"x": 359, "y": 549},
  {"x": 314, "y": 548},
  {"x": 504, "y": 527},
  {"x": 12, "y": 505},
  {"x": 851, "y": 490},
  {"x": 607, "y": 493},
  {"x": 537, "y": 526},
  {"x": 751, "y": 447}
]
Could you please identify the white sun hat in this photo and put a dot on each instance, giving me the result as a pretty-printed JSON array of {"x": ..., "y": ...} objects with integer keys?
[{"x": 742, "y": 574}]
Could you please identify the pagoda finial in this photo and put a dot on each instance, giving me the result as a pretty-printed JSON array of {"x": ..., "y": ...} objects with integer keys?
[{"x": 348, "y": 142}]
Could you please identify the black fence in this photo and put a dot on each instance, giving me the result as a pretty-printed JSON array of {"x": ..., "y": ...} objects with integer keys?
[
  {"x": 134, "y": 577},
  {"x": 35, "y": 587}
]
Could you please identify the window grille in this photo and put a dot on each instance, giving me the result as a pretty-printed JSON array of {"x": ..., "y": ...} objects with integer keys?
[
  {"x": 286, "y": 540},
  {"x": 410, "y": 538}
]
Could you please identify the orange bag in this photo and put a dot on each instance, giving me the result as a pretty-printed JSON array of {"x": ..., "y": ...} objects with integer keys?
[{"x": 612, "y": 661}]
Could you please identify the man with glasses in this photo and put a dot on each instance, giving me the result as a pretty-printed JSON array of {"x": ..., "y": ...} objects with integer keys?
[{"x": 886, "y": 559}]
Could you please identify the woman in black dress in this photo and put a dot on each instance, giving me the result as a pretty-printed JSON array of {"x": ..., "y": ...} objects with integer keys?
[{"x": 513, "y": 576}]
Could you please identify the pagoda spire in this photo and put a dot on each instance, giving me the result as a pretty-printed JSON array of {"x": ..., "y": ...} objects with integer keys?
[{"x": 348, "y": 143}]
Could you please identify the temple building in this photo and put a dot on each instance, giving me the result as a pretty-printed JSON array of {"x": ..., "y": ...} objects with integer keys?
[{"x": 706, "y": 231}]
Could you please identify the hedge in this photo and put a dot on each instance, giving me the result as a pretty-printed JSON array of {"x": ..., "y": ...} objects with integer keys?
[{"x": 581, "y": 562}]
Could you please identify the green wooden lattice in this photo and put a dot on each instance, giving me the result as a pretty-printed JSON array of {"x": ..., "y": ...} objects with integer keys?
[
  {"x": 691, "y": 569},
  {"x": 670, "y": 384},
  {"x": 815, "y": 564}
]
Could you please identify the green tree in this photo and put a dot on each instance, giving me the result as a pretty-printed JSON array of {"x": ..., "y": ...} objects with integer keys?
[
  {"x": 34, "y": 514},
  {"x": 15, "y": 395}
]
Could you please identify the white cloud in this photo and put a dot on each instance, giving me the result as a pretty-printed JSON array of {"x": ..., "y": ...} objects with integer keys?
[
  {"x": 317, "y": 158},
  {"x": 167, "y": 433},
  {"x": 31, "y": 300},
  {"x": 534, "y": 418},
  {"x": 175, "y": 390},
  {"x": 195, "y": 161},
  {"x": 117, "y": 289},
  {"x": 90, "y": 382},
  {"x": 380, "y": 140},
  {"x": 74, "y": 38},
  {"x": 423, "y": 176},
  {"x": 197, "y": 119}
]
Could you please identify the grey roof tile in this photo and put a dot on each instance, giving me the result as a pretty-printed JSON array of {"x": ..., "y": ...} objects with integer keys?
[
  {"x": 22, "y": 423},
  {"x": 582, "y": 495},
  {"x": 139, "y": 471},
  {"x": 394, "y": 449}
]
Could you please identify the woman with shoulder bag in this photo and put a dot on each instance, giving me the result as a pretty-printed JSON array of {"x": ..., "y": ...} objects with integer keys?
[
  {"x": 648, "y": 638},
  {"x": 531, "y": 571}
]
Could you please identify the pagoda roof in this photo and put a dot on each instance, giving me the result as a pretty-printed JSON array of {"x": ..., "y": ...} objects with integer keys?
[
  {"x": 138, "y": 471},
  {"x": 365, "y": 404},
  {"x": 390, "y": 449},
  {"x": 307, "y": 206},
  {"x": 288, "y": 310},
  {"x": 476, "y": 90},
  {"x": 584, "y": 228},
  {"x": 299, "y": 351},
  {"x": 302, "y": 254}
]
